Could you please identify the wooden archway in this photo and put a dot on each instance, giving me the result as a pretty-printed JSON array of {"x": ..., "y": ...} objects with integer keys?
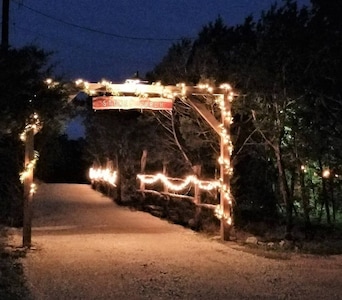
[{"x": 134, "y": 94}]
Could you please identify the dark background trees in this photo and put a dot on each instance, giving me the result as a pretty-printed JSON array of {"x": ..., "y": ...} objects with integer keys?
[
  {"x": 286, "y": 67},
  {"x": 23, "y": 92}
]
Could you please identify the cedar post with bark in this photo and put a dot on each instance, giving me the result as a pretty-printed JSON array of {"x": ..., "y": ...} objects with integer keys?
[{"x": 28, "y": 194}]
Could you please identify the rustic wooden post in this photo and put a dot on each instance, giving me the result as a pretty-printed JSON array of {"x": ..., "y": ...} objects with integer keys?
[
  {"x": 197, "y": 194},
  {"x": 165, "y": 188},
  {"x": 28, "y": 195},
  {"x": 118, "y": 178},
  {"x": 109, "y": 166},
  {"x": 142, "y": 169},
  {"x": 225, "y": 173}
]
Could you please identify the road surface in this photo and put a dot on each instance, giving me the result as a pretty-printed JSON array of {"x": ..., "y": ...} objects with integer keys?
[{"x": 87, "y": 247}]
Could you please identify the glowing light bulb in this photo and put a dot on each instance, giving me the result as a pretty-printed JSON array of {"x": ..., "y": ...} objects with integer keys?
[{"x": 326, "y": 173}]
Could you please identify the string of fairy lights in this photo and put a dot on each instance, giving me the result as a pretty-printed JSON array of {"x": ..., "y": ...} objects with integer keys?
[
  {"x": 33, "y": 124},
  {"x": 29, "y": 167},
  {"x": 225, "y": 158},
  {"x": 185, "y": 183},
  {"x": 109, "y": 176},
  {"x": 106, "y": 175}
]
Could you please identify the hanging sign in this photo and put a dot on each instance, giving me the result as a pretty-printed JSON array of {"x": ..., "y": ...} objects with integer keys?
[{"x": 131, "y": 102}]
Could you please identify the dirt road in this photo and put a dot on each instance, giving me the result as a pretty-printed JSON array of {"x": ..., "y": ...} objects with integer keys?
[{"x": 87, "y": 247}]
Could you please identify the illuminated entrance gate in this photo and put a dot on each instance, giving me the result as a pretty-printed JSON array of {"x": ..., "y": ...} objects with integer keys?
[{"x": 134, "y": 94}]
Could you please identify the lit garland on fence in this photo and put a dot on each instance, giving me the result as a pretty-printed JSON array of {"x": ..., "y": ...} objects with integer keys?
[
  {"x": 191, "y": 179},
  {"x": 110, "y": 177},
  {"x": 106, "y": 175},
  {"x": 29, "y": 167}
]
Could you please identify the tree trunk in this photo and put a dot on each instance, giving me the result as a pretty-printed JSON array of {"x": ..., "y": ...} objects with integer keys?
[
  {"x": 142, "y": 168},
  {"x": 305, "y": 200},
  {"x": 284, "y": 190},
  {"x": 197, "y": 195},
  {"x": 165, "y": 188},
  {"x": 292, "y": 190},
  {"x": 197, "y": 169},
  {"x": 325, "y": 194},
  {"x": 331, "y": 185}
]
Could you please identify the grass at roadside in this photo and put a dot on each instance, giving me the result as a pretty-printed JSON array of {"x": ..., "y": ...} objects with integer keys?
[{"x": 12, "y": 283}]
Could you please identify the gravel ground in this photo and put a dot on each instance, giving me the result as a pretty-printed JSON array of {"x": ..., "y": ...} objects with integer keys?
[{"x": 87, "y": 247}]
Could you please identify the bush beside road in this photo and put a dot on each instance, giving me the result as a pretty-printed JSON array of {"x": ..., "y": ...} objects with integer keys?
[{"x": 12, "y": 281}]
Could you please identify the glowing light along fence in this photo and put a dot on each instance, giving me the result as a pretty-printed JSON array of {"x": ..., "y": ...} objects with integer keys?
[
  {"x": 169, "y": 182},
  {"x": 110, "y": 176},
  {"x": 105, "y": 175}
]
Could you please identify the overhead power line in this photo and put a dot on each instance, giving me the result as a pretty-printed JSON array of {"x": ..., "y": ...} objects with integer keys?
[{"x": 96, "y": 30}]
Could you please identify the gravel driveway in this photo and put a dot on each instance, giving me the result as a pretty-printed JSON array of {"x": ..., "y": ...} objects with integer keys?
[{"x": 87, "y": 247}]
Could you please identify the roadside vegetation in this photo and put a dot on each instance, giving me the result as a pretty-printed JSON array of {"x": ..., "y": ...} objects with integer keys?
[{"x": 12, "y": 281}]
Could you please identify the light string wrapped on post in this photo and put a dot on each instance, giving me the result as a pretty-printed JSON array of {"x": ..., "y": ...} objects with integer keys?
[
  {"x": 226, "y": 95},
  {"x": 219, "y": 211},
  {"x": 224, "y": 160},
  {"x": 33, "y": 188},
  {"x": 29, "y": 167},
  {"x": 35, "y": 125}
]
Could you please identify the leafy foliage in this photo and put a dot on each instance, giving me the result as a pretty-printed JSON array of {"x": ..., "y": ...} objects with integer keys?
[
  {"x": 23, "y": 91},
  {"x": 286, "y": 67}
]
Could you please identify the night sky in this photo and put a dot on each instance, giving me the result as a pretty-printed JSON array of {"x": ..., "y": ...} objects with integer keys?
[{"x": 113, "y": 39}]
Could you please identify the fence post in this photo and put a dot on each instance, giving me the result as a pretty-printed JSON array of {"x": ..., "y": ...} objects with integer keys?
[
  {"x": 142, "y": 168},
  {"x": 109, "y": 166},
  {"x": 225, "y": 174},
  {"x": 165, "y": 188},
  {"x": 197, "y": 194},
  {"x": 28, "y": 195}
]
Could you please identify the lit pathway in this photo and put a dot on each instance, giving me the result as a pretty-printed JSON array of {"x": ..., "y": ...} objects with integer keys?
[{"x": 90, "y": 248}]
